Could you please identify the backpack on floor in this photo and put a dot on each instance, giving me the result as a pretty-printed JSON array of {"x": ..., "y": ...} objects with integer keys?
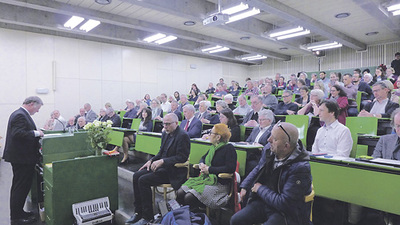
[{"x": 184, "y": 216}]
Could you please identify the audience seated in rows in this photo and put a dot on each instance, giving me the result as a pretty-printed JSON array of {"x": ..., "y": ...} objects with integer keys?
[{"x": 251, "y": 118}]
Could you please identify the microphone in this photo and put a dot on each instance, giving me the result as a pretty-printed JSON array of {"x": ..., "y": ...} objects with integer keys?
[{"x": 61, "y": 123}]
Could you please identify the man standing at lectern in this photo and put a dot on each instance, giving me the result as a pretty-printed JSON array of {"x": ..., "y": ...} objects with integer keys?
[
  {"x": 22, "y": 151},
  {"x": 175, "y": 148}
]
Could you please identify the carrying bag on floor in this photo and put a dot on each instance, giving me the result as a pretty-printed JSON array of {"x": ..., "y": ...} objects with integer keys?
[{"x": 184, "y": 216}]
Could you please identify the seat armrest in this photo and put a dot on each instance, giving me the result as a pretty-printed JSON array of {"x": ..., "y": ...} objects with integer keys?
[
  {"x": 180, "y": 165},
  {"x": 225, "y": 175}
]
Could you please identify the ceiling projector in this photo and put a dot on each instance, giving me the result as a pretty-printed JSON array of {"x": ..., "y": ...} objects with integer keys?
[{"x": 216, "y": 19}]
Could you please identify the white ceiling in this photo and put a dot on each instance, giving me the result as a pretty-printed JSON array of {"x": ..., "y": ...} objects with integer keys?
[{"x": 126, "y": 22}]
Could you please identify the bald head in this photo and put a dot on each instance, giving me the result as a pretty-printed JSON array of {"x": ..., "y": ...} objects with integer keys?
[
  {"x": 283, "y": 139},
  {"x": 293, "y": 133}
]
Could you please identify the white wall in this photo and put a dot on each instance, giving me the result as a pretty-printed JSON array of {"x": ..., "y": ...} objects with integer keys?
[{"x": 94, "y": 72}]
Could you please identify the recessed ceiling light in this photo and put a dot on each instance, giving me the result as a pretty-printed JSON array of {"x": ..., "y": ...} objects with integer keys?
[
  {"x": 372, "y": 33},
  {"x": 189, "y": 23},
  {"x": 103, "y": 2},
  {"x": 284, "y": 48},
  {"x": 342, "y": 15},
  {"x": 244, "y": 38}
]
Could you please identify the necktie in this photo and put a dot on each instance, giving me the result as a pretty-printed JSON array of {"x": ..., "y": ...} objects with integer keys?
[
  {"x": 187, "y": 125},
  {"x": 255, "y": 116}
]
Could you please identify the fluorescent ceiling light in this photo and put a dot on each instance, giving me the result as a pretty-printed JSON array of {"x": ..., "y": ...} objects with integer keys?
[
  {"x": 293, "y": 35},
  {"x": 73, "y": 22},
  {"x": 396, "y": 13},
  {"x": 235, "y": 9},
  {"x": 327, "y": 47},
  {"x": 393, "y": 7},
  {"x": 154, "y": 37},
  {"x": 245, "y": 14},
  {"x": 89, "y": 25},
  {"x": 165, "y": 40},
  {"x": 253, "y": 57},
  {"x": 211, "y": 48},
  {"x": 219, "y": 50},
  {"x": 284, "y": 31},
  {"x": 321, "y": 44}
]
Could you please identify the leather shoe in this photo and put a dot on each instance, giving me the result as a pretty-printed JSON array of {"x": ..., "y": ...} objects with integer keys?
[
  {"x": 136, "y": 217},
  {"x": 23, "y": 221}
]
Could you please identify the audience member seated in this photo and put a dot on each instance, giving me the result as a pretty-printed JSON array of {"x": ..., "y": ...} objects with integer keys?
[
  {"x": 202, "y": 97},
  {"x": 175, "y": 148},
  {"x": 90, "y": 114},
  {"x": 50, "y": 122},
  {"x": 287, "y": 107},
  {"x": 177, "y": 96},
  {"x": 130, "y": 110},
  {"x": 269, "y": 81},
  {"x": 243, "y": 107},
  {"x": 251, "y": 89},
  {"x": 260, "y": 134},
  {"x": 286, "y": 163},
  {"x": 82, "y": 112},
  {"x": 381, "y": 107},
  {"x": 333, "y": 138},
  {"x": 300, "y": 83},
  {"x": 338, "y": 95},
  {"x": 388, "y": 146},
  {"x": 334, "y": 79},
  {"x": 165, "y": 105},
  {"x": 292, "y": 85},
  {"x": 146, "y": 124},
  {"x": 269, "y": 100},
  {"x": 107, "y": 105},
  {"x": 194, "y": 93},
  {"x": 304, "y": 97},
  {"x": 251, "y": 118},
  {"x": 156, "y": 111},
  {"x": 379, "y": 75},
  {"x": 81, "y": 123},
  {"x": 220, "y": 91},
  {"x": 324, "y": 79},
  {"x": 281, "y": 84},
  {"x": 115, "y": 119},
  {"x": 321, "y": 86},
  {"x": 183, "y": 102},
  {"x": 71, "y": 125},
  {"x": 202, "y": 113},
  {"x": 102, "y": 115},
  {"x": 235, "y": 90},
  {"x": 276, "y": 81},
  {"x": 229, "y": 100},
  {"x": 303, "y": 76},
  {"x": 208, "y": 189},
  {"x": 210, "y": 89},
  {"x": 147, "y": 99},
  {"x": 351, "y": 91},
  {"x": 226, "y": 117},
  {"x": 214, "y": 119},
  {"x": 314, "y": 79},
  {"x": 59, "y": 122},
  {"x": 312, "y": 107},
  {"x": 175, "y": 110},
  {"x": 191, "y": 124},
  {"x": 362, "y": 86},
  {"x": 142, "y": 105},
  {"x": 368, "y": 79}
]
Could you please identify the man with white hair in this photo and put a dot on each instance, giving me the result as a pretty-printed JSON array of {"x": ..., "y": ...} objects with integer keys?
[
  {"x": 202, "y": 113},
  {"x": 184, "y": 101},
  {"x": 251, "y": 89},
  {"x": 229, "y": 100},
  {"x": 261, "y": 133},
  {"x": 191, "y": 124},
  {"x": 243, "y": 107},
  {"x": 59, "y": 122},
  {"x": 269, "y": 100},
  {"x": 251, "y": 118},
  {"x": 116, "y": 120},
  {"x": 90, "y": 114}
]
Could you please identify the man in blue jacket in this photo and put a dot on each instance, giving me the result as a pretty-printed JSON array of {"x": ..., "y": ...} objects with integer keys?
[{"x": 278, "y": 183}]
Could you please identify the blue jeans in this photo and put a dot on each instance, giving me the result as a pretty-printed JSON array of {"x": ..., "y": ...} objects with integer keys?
[{"x": 257, "y": 212}]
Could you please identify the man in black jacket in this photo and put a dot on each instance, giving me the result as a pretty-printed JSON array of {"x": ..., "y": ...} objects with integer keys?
[
  {"x": 278, "y": 184},
  {"x": 175, "y": 148},
  {"x": 22, "y": 151}
]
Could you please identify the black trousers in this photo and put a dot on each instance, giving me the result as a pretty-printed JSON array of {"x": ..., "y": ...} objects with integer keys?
[
  {"x": 21, "y": 184},
  {"x": 142, "y": 182}
]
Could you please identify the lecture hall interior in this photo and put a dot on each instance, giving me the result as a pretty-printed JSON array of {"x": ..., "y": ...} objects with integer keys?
[{"x": 143, "y": 57}]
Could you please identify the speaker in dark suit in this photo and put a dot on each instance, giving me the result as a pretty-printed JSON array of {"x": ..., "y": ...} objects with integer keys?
[{"x": 22, "y": 151}]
